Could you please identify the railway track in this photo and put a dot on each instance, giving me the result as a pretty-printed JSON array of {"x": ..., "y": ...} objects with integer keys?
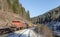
[
  {"x": 29, "y": 34},
  {"x": 19, "y": 35},
  {"x": 22, "y": 33}
]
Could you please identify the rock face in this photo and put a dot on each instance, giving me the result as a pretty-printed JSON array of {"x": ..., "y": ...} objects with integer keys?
[
  {"x": 51, "y": 19},
  {"x": 11, "y": 10}
]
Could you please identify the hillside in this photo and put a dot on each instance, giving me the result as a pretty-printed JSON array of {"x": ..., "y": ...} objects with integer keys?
[
  {"x": 50, "y": 19},
  {"x": 15, "y": 7},
  {"x": 52, "y": 15},
  {"x": 11, "y": 10}
]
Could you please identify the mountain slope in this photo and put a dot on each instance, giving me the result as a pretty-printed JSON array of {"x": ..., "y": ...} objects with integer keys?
[
  {"x": 11, "y": 10},
  {"x": 51, "y": 19},
  {"x": 52, "y": 15}
]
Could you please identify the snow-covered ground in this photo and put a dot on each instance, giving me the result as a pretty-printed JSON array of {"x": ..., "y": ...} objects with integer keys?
[
  {"x": 55, "y": 26},
  {"x": 24, "y": 33}
]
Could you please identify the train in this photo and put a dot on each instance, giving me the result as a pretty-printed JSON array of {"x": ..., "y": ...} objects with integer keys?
[{"x": 14, "y": 26}]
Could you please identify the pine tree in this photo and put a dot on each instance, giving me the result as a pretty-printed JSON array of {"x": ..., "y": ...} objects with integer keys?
[{"x": 28, "y": 16}]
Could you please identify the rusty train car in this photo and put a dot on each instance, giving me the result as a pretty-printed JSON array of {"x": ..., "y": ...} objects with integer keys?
[{"x": 14, "y": 26}]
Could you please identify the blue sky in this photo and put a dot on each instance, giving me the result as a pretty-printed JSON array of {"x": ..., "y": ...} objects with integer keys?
[{"x": 39, "y": 7}]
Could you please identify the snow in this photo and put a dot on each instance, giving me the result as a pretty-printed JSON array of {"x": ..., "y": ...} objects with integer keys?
[
  {"x": 53, "y": 25},
  {"x": 24, "y": 33}
]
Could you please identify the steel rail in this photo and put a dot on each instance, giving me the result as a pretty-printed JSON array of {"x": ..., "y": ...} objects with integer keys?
[{"x": 22, "y": 33}]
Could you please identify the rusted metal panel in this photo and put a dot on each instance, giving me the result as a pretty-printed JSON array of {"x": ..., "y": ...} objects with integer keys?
[{"x": 17, "y": 23}]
